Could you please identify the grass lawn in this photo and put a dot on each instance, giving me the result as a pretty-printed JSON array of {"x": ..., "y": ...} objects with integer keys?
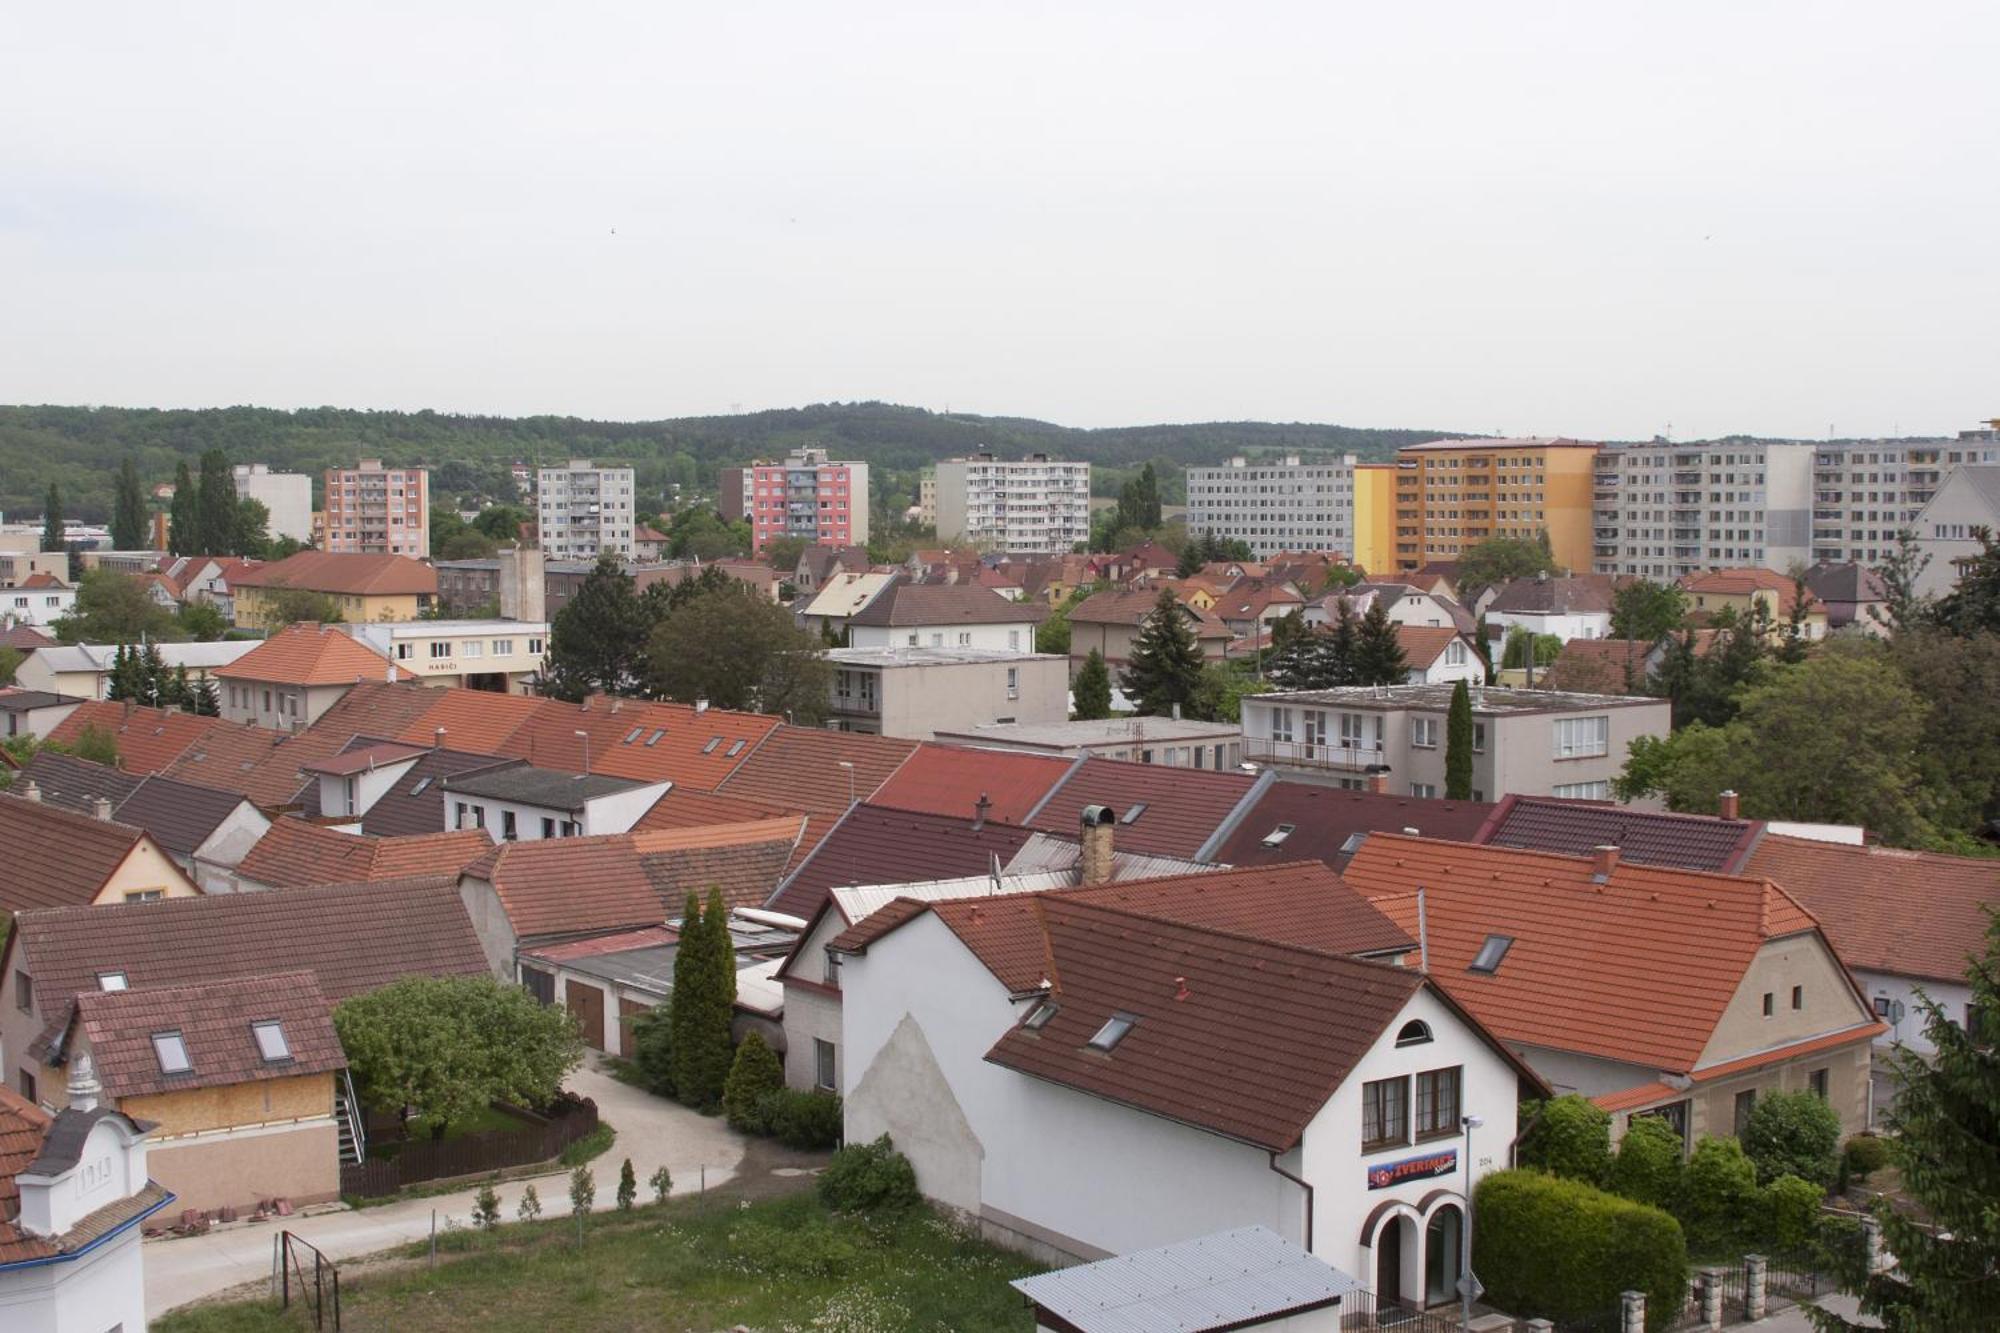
[{"x": 779, "y": 1264}]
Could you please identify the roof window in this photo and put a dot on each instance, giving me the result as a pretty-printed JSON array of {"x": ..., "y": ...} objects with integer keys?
[
  {"x": 1113, "y": 1032},
  {"x": 171, "y": 1052},
  {"x": 1038, "y": 1017},
  {"x": 654, "y": 739},
  {"x": 633, "y": 735},
  {"x": 713, "y": 741},
  {"x": 1491, "y": 952},
  {"x": 735, "y": 748},
  {"x": 1352, "y": 843},
  {"x": 271, "y": 1043},
  {"x": 1131, "y": 816},
  {"x": 1279, "y": 834},
  {"x": 111, "y": 981},
  {"x": 1413, "y": 1033},
  {"x": 418, "y": 790}
]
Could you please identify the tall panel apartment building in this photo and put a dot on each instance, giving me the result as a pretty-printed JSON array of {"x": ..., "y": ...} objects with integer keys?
[
  {"x": 1866, "y": 491},
  {"x": 288, "y": 496},
  {"x": 1034, "y": 505},
  {"x": 809, "y": 496},
  {"x": 1375, "y": 516},
  {"x": 1275, "y": 505},
  {"x": 584, "y": 510},
  {"x": 376, "y": 510},
  {"x": 1452, "y": 495},
  {"x": 1664, "y": 510}
]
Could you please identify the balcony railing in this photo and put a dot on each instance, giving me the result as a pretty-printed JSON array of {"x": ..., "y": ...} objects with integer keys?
[{"x": 1312, "y": 754}]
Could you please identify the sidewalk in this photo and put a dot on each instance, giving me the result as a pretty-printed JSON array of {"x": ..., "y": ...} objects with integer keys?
[
  {"x": 1794, "y": 1320},
  {"x": 651, "y": 1131}
]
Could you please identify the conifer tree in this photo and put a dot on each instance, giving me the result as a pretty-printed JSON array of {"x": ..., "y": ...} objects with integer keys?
[
  {"x": 215, "y": 505},
  {"x": 1166, "y": 659},
  {"x": 1093, "y": 688},
  {"x": 128, "y": 514},
  {"x": 183, "y": 523},
  {"x": 1378, "y": 655},
  {"x": 598, "y": 640},
  {"x": 703, "y": 1002},
  {"x": 52, "y": 521},
  {"x": 1458, "y": 745}
]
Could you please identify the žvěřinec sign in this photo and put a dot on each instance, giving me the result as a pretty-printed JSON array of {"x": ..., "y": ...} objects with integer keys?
[{"x": 1413, "y": 1168}]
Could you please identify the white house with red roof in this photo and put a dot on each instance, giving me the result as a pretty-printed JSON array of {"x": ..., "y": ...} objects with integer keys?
[{"x": 39, "y": 599}]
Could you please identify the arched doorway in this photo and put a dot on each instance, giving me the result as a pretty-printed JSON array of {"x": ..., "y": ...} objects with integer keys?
[
  {"x": 1389, "y": 1245},
  {"x": 1444, "y": 1242}
]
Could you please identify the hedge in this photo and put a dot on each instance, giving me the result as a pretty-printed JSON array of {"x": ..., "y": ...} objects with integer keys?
[
  {"x": 1569, "y": 1137},
  {"x": 1558, "y": 1249}
]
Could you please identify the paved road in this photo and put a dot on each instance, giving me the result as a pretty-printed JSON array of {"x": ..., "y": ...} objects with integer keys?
[
  {"x": 652, "y": 1132},
  {"x": 1794, "y": 1320}
]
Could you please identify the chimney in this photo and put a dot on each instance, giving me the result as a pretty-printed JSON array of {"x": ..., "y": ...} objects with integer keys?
[
  {"x": 1603, "y": 860},
  {"x": 1098, "y": 823},
  {"x": 1378, "y": 783},
  {"x": 700, "y": 706},
  {"x": 979, "y": 809},
  {"x": 1726, "y": 805},
  {"x": 100, "y": 808},
  {"x": 83, "y": 1084},
  {"x": 29, "y": 790},
  {"x": 437, "y": 739}
]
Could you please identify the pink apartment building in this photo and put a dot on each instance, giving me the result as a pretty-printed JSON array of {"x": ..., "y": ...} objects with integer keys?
[
  {"x": 806, "y": 496},
  {"x": 373, "y": 510}
]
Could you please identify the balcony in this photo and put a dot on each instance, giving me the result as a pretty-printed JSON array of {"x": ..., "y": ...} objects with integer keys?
[{"x": 1310, "y": 754}]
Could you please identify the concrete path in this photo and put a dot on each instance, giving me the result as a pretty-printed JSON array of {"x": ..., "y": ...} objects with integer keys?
[
  {"x": 651, "y": 1131},
  {"x": 1793, "y": 1320}
]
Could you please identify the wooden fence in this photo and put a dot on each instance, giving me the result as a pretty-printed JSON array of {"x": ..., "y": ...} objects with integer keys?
[{"x": 474, "y": 1155}]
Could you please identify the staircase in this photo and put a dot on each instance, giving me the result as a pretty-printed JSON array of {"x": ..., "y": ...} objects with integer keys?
[{"x": 347, "y": 1115}]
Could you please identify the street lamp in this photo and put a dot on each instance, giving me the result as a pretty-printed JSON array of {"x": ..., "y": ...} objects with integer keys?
[
  {"x": 1469, "y": 1289},
  {"x": 584, "y": 736},
  {"x": 849, "y": 766}
]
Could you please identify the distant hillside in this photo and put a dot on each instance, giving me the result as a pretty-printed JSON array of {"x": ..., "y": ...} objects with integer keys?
[{"x": 81, "y": 448}]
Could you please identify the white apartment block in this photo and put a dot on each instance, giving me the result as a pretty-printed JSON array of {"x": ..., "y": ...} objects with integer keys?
[
  {"x": 584, "y": 510},
  {"x": 1866, "y": 491},
  {"x": 376, "y": 510},
  {"x": 1663, "y": 510},
  {"x": 288, "y": 495},
  {"x": 1275, "y": 506},
  {"x": 1034, "y": 505}
]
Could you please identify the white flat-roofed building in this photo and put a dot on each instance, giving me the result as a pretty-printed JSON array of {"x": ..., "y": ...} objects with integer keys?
[
  {"x": 521, "y": 804},
  {"x": 1169, "y": 741},
  {"x": 1032, "y": 505},
  {"x": 501, "y": 655},
  {"x": 585, "y": 510},
  {"x": 287, "y": 495},
  {"x": 916, "y": 692},
  {"x": 1275, "y": 504}
]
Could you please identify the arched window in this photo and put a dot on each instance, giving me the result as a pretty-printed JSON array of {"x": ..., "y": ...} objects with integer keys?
[{"x": 1414, "y": 1033}]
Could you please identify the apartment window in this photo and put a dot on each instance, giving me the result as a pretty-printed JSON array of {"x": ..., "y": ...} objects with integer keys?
[
  {"x": 508, "y": 832},
  {"x": 1424, "y": 732},
  {"x": 503, "y": 647},
  {"x": 24, "y": 992},
  {"x": 1579, "y": 737},
  {"x": 1816, "y": 1083},
  {"x": 472, "y": 648},
  {"x": 1437, "y": 1103},
  {"x": 534, "y": 647},
  {"x": 1770, "y": 1004},
  {"x": 1424, "y": 790},
  {"x": 1798, "y": 997},
  {"x": 1746, "y": 1101},
  {"x": 1385, "y": 1114},
  {"x": 404, "y": 651},
  {"x": 440, "y": 649},
  {"x": 823, "y": 1070},
  {"x": 1584, "y": 791}
]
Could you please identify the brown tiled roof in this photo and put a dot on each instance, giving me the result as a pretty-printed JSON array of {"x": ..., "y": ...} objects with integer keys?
[
  {"x": 353, "y": 937},
  {"x": 1131, "y": 606},
  {"x": 948, "y": 780},
  {"x": 1914, "y": 914},
  {"x": 798, "y": 768},
  {"x": 341, "y": 573},
  {"x": 1743, "y": 582},
  {"x": 268, "y": 767},
  {"x": 41, "y": 579},
  {"x": 1237, "y": 1036},
  {"x": 295, "y": 854},
  {"x": 25, "y": 637},
  {"x": 308, "y": 654},
  {"x": 57, "y": 857},
  {"x": 179, "y": 815},
  {"x": 556, "y": 886},
  {"x": 74, "y": 783},
  {"x": 746, "y": 873},
  {"x": 903, "y": 604},
  {"x": 1691, "y": 842},
  {"x": 23, "y": 1126},
  {"x": 875, "y": 845},
  {"x": 1184, "y": 807},
  {"x": 404, "y": 810},
  {"x": 1579, "y": 593},
  {"x": 148, "y": 739},
  {"x": 214, "y": 1021},
  {"x": 393, "y": 712},
  {"x": 1324, "y": 818},
  {"x": 365, "y": 757},
  {"x": 687, "y": 807},
  {"x": 1599, "y": 666},
  {"x": 1424, "y": 644},
  {"x": 1638, "y": 968},
  {"x": 632, "y": 738}
]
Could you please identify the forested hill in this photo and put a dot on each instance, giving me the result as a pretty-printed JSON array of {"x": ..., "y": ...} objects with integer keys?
[{"x": 80, "y": 448}]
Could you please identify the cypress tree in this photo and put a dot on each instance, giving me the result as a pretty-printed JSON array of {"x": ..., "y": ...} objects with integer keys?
[
  {"x": 1458, "y": 745},
  {"x": 1378, "y": 656},
  {"x": 128, "y": 514},
  {"x": 703, "y": 1003},
  {"x": 154, "y": 677},
  {"x": 1343, "y": 646},
  {"x": 1166, "y": 659},
  {"x": 52, "y": 521},
  {"x": 215, "y": 505},
  {"x": 183, "y": 535},
  {"x": 1093, "y": 688}
]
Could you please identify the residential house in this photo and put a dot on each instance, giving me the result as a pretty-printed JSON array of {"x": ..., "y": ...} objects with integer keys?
[
  {"x": 649, "y": 543},
  {"x": 521, "y": 802},
  {"x": 1743, "y": 590},
  {"x": 1402, "y": 603},
  {"x": 1439, "y": 656},
  {"x": 1169, "y": 741},
  {"x": 1071, "y": 1071},
  {"x": 1649, "y": 837},
  {"x": 290, "y": 679},
  {"x": 353, "y": 781},
  {"x": 914, "y": 692},
  {"x": 1577, "y": 607},
  {"x": 83, "y": 670},
  {"x": 918, "y": 615},
  {"x": 363, "y": 588},
  {"x": 819, "y": 565},
  {"x": 296, "y": 854},
  {"x": 38, "y": 599},
  {"x": 1650, "y": 989},
  {"x": 33, "y": 712},
  {"x": 60, "y": 858},
  {"x": 1250, "y": 606},
  {"x": 1948, "y": 525},
  {"x": 74, "y": 1193},
  {"x": 414, "y": 801},
  {"x": 206, "y": 832},
  {"x": 1288, "y": 821},
  {"x": 1852, "y": 594},
  {"x": 1537, "y": 742},
  {"x": 1109, "y": 622},
  {"x": 840, "y": 598},
  {"x": 499, "y": 656},
  {"x": 874, "y": 844},
  {"x": 1182, "y": 812},
  {"x": 1604, "y": 666}
]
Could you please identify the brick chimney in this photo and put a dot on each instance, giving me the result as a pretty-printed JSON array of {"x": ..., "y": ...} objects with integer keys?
[
  {"x": 1603, "y": 860},
  {"x": 1378, "y": 783},
  {"x": 1726, "y": 805},
  {"x": 1098, "y": 823}
]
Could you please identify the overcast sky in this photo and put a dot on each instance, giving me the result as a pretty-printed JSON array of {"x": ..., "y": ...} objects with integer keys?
[{"x": 1598, "y": 219}]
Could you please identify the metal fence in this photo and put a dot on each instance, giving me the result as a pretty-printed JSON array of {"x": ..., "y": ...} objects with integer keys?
[
  {"x": 1360, "y": 1310},
  {"x": 475, "y": 1154},
  {"x": 308, "y": 1278}
]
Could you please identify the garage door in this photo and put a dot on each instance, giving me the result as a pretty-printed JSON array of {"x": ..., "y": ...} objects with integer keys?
[{"x": 587, "y": 1003}]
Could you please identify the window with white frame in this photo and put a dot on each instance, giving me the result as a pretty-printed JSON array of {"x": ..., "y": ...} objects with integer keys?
[
  {"x": 1580, "y": 737},
  {"x": 1281, "y": 724},
  {"x": 1583, "y": 791},
  {"x": 1424, "y": 732},
  {"x": 1454, "y": 653},
  {"x": 1425, "y": 790}
]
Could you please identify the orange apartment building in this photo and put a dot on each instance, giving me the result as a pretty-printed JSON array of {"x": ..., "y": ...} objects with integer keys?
[
  {"x": 1453, "y": 494},
  {"x": 376, "y": 510}
]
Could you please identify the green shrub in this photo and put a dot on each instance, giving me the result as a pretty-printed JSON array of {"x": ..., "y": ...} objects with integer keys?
[
  {"x": 815, "y": 1248},
  {"x": 866, "y": 1177},
  {"x": 1559, "y": 1249},
  {"x": 1648, "y": 1167},
  {"x": 653, "y": 1051},
  {"x": 1569, "y": 1137},
  {"x": 1793, "y": 1134},
  {"x": 753, "y": 1075},
  {"x": 796, "y": 1119},
  {"x": 1790, "y": 1213},
  {"x": 628, "y": 1186},
  {"x": 1719, "y": 1198},
  {"x": 1865, "y": 1155}
]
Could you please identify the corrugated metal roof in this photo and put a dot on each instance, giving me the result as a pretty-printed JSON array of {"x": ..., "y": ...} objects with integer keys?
[{"x": 1212, "y": 1282}]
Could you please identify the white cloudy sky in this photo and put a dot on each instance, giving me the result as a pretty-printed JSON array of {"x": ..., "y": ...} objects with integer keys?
[{"x": 1592, "y": 219}]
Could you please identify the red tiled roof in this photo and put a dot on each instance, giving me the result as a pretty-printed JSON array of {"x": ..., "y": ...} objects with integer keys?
[
  {"x": 214, "y": 1020},
  {"x": 744, "y": 872},
  {"x": 948, "y": 780},
  {"x": 1638, "y": 968},
  {"x": 875, "y": 845},
  {"x": 645, "y": 937},
  {"x": 25, "y": 637},
  {"x": 385, "y": 711},
  {"x": 365, "y": 758},
  {"x": 23, "y": 1127},
  {"x": 342, "y": 573},
  {"x": 1324, "y": 818},
  {"x": 799, "y": 768},
  {"x": 554, "y": 886},
  {"x": 295, "y": 854},
  {"x": 1692, "y": 842},
  {"x": 41, "y": 579},
  {"x": 687, "y": 807},
  {"x": 58, "y": 858},
  {"x": 692, "y": 749},
  {"x": 1743, "y": 582},
  {"x": 1914, "y": 914},
  {"x": 1424, "y": 644},
  {"x": 1131, "y": 606},
  {"x": 1599, "y": 666},
  {"x": 265, "y": 766},
  {"x": 475, "y": 720},
  {"x": 308, "y": 654},
  {"x": 1183, "y": 806},
  {"x": 148, "y": 739}
]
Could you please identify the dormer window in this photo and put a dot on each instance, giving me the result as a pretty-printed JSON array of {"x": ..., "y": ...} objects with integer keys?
[
  {"x": 1113, "y": 1032},
  {"x": 271, "y": 1043},
  {"x": 172, "y": 1053},
  {"x": 1414, "y": 1033},
  {"x": 109, "y": 981},
  {"x": 1491, "y": 952}
]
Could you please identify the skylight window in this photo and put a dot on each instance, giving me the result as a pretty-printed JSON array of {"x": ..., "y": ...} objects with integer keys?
[
  {"x": 1113, "y": 1032},
  {"x": 1352, "y": 843},
  {"x": 735, "y": 748},
  {"x": 418, "y": 790},
  {"x": 271, "y": 1043},
  {"x": 171, "y": 1052},
  {"x": 654, "y": 739},
  {"x": 1131, "y": 816},
  {"x": 1491, "y": 952},
  {"x": 1038, "y": 1017},
  {"x": 1279, "y": 834},
  {"x": 713, "y": 741},
  {"x": 633, "y": 735},
  {"x": 111, "y": 981}
]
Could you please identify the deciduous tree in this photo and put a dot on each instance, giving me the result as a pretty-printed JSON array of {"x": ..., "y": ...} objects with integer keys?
[
  {"x": 731, "y": 647},
  {"x": 1499, "y": 559},
  {"x": 1647, "y": 611}
]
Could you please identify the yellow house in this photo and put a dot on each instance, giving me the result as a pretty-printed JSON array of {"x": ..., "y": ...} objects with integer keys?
[
  {"x": 1375, "y": 517},
  {"x": 1451, "y": 495},
  {"x": 365, "y": 589},
  {"x": 59, "y": 858},
  {"x": 1742, "y": 590}
]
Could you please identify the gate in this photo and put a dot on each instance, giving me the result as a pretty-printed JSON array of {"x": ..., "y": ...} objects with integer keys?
[{"x": 310, "y": 1278}]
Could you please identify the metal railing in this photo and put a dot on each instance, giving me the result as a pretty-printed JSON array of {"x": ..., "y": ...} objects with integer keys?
[
  {"x": 316, "y": 1287},
  {"x": 1315, "y": 754}
]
